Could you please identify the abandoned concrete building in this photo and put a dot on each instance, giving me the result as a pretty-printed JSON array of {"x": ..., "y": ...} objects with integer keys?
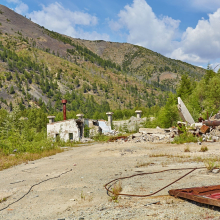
[
  {"x": 66, "y": 130},
  {"x": 73, "y": 129}
]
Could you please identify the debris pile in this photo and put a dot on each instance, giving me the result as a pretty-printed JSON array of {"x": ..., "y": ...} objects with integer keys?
[
  {"x": 153, "y": 135},
  {"x": 207, "y": 130},
  {"x": 159, "y": 135}
]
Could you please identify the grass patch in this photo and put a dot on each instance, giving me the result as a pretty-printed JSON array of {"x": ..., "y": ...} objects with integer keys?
[
  {"x": 101, "y": 137},
  {"x": 3, "y": 199},
  {"x": 185, "y": 137},
  {"x": 168, "y": 155},
  {"x": 7, "y": 161},
  {"x": 211, "y": 164},
  {"x": 116, "y": 189},
  {"x": 82, "y": 195},
  {"x": 187, "y": 149},
  {"x": 204, "y": 149},
  {"x": 143, "y": 164}
]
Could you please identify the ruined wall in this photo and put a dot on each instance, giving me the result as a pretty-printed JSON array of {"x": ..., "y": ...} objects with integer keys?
[
  {"x": 105, "y": 126},
  {"x": 132, "y": 124},
  {"x": 65, "y": 130}
]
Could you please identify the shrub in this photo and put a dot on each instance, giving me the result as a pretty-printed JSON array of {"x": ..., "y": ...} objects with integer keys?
[
  {"x": 204, "y": 149},
  {"x": 211, "y": 164},
  {"x": 117, "y": 188},
  {"x": 12, "y": 91},
  {"x": 101, "y": 137},
  {"x": 187, "y": 149},
  {"x": 185, "y": 137}
]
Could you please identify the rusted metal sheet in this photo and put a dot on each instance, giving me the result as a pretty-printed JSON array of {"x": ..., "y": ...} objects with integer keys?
[
  {"x": 112, "y": 139},
  {"x": 205, "y": 129},
  {"x": 208, "y": 195}
]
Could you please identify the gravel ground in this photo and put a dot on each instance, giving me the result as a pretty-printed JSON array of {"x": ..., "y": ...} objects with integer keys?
[{"x": 75, "y": 179}]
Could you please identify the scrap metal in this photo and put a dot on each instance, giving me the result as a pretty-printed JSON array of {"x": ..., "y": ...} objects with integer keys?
[
  {"x": 108, "y": 185},
  {"x": 211, "y": 123},
  {"x": 204, "y": 129},
  {"x": 208, "y": 195}
]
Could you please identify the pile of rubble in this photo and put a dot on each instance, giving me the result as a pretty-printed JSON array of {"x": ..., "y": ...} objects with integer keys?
[
  {"x": 208, "y": 130},
  {"x": 159, "y": 135},
  {"x": 154, "y": 135},
  {"x": 213, "y": 135}
]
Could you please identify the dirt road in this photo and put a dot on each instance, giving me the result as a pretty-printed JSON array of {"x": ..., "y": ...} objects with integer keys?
[{"x": 75, "y": 179}]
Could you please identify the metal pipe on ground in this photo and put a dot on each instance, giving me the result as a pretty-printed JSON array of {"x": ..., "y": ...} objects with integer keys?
[{"x": 211, "y": 123}]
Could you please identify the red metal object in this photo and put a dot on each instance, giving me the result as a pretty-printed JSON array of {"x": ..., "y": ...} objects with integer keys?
[
  {"x": 211, "y": 123},
  {"x": 201, "y": 119},
  {"x": 64, "y": 101},
  {"x": 208, "y": 195},
  {"x": 112, "y": 139},
  {"x": 205, "y": 129}
]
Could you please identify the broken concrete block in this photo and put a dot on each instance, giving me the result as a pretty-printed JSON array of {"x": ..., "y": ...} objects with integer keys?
[
  {"x": 151, "y": 131},
  {"x": 136, "y": 135},
  {"x": 204, "y": 129},
  {"x": 214, "y": 138},
  {"x": 215, "y": 171},
  {"x": 184, "y": 113},
  {"x": 160, "y": 136},
  {"x": 197, "y": 125}
]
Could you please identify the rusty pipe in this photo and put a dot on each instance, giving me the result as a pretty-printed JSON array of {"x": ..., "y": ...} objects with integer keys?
[
  {"x": 211, "y": 123},
  {"x": 64, "y": 101}
]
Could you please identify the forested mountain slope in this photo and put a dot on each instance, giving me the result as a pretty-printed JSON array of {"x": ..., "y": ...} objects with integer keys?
[{"x": 39, "y": 67}]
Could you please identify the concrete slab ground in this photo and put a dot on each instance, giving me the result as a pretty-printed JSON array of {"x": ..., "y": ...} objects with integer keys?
[{"x": 79, "y": 192}]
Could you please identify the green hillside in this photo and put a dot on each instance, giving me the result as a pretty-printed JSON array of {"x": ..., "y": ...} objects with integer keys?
[{"x": 39, "y": 67}]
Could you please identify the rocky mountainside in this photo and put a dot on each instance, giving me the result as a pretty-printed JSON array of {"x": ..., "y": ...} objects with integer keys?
[
  {"x": 39, "y": 67},
  {"x": 142, "y": 62}
]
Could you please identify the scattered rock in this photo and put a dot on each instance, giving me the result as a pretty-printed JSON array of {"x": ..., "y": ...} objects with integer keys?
[{"x": 215, "y": 170}]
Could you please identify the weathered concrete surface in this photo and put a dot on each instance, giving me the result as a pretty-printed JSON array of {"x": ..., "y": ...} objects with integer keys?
[
  {"x": 132, "y": 124},
  {"x": 184, "y": 113},
  {"x": 80, "y": 193}
]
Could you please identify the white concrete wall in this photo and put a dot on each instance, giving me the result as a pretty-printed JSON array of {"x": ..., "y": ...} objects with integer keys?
[
  {"x": 63, "y": 128},
  {"x": 132, "y": 124}
]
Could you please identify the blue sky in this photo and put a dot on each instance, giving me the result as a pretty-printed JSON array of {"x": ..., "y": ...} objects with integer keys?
[{"x": 187, "y": 30}]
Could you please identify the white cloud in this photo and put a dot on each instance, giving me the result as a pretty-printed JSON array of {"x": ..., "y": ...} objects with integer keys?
[
  {"x": 202, "y": 43},
  {"x": 196, "y": 45},
  {"x": 92, "y": 35},
  {"x": 21, "y": 7},
  {"x": 57, "y": 18},
  {"x": 145, "y": 29}
]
